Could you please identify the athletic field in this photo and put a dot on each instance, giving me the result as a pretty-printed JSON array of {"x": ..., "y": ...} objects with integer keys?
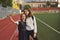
[{"x": 48, "y": 26}]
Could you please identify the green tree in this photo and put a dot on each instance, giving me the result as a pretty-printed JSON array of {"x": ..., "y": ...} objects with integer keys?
[
  {"x": 27, "y": 7},
  {"x": 0, "y": 1},
  {"x": 6, "y": 3},
  {"x": 9, "y": 3}
]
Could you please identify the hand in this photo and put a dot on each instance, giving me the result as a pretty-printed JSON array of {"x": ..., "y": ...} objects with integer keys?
[
  {"x": 12, "y": 19},
  {"x": 34, "y": 35}
]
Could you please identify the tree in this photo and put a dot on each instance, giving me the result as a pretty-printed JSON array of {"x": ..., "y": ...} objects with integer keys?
[
  {"x": 27, "y": 7},
  {"x": 9, "y": 3},
  {"x": 6, "y": 3},
  {"x": 0, "y": 1}
]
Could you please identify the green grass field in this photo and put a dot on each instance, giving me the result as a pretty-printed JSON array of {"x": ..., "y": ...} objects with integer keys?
[{"x": 46, "y": 33}]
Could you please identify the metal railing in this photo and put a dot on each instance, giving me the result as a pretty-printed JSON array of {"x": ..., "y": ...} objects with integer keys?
[{"x": 6, "y": 11}]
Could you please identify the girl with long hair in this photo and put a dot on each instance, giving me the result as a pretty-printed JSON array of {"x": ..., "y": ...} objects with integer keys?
[{"x": 31, "y": 27}]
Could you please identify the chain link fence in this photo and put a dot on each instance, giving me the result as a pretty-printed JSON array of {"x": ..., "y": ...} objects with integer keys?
[{"x": 6, "y": 11}]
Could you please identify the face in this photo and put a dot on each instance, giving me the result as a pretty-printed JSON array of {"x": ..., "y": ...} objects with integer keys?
[
  {"x": 26, "y": 12},
  {"x": 23, "y": 17}
]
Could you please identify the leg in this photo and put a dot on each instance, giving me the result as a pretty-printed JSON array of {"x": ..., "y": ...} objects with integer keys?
[
  {"x": 30, "y": 37},
  {"x": 30, "y": 34}
]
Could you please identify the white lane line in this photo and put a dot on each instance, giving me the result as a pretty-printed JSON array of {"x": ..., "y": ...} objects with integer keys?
[
  {"x": 13, "y": 34},
  {"x": 47, "y": 25}
]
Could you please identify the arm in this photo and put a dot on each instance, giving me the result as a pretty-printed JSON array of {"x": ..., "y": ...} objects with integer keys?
[
  {"x": 12, "y": 19},
  {"x": 35, "y": 27}
]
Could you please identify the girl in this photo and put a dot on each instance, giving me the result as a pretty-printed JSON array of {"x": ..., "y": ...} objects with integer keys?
[
  {"x": 21, "y": 27},
  {"x": 31, "y": 27}
]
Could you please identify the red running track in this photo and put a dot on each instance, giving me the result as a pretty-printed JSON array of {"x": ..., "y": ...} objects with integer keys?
[{"x": 8, "y": 30}]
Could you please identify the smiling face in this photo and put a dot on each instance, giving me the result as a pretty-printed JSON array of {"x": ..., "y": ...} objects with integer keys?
[
  {"x": 23, "y": 17},
  {"x": 26, "y": 12}
]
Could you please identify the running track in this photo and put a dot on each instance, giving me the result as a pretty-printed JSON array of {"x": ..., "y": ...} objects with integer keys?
[{"x": 8, "y": 28}]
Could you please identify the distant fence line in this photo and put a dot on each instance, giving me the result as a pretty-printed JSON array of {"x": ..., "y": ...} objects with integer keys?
[
  {"x": 6, "y": 11},
  {"x": 47, "y": 10}
]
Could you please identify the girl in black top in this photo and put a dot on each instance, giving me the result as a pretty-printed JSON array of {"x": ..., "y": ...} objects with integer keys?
[{"x": 21, "y": 27}]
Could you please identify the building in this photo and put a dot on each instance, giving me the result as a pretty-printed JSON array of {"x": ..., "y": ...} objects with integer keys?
[
  {"x": 35, "y": 3},
  {"x": 38, "y": 4}
]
